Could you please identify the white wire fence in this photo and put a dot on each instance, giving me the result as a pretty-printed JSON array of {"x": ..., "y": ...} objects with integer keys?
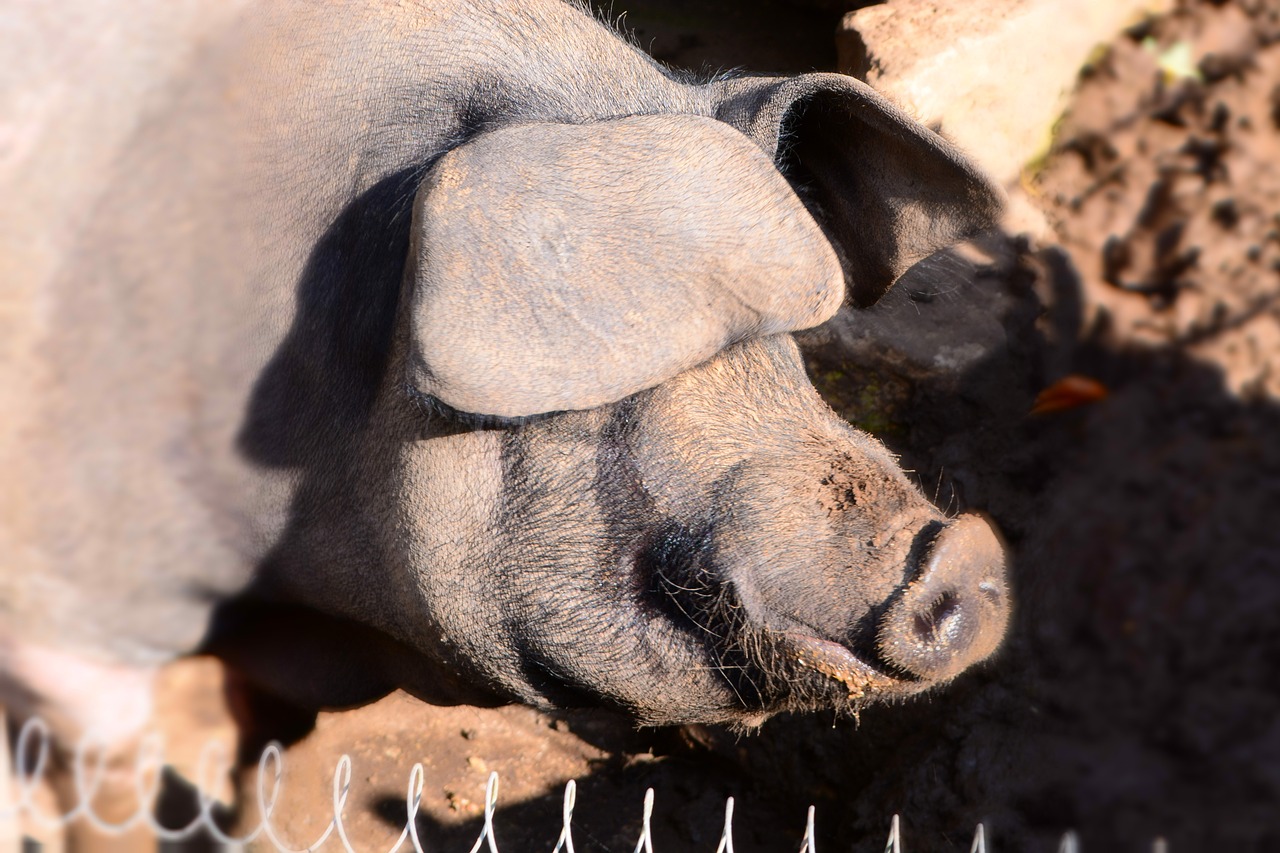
[{"x": 23, "y": 773}]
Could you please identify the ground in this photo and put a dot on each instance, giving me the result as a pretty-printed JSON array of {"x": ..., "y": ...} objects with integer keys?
[{"x": 1137, "y": 696}]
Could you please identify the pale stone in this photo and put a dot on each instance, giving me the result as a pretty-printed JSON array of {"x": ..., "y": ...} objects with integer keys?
[{"x": 992, "y": 77}]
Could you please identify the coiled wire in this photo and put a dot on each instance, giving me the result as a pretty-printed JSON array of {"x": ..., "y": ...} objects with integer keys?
[{"x": 31, "y": 760}]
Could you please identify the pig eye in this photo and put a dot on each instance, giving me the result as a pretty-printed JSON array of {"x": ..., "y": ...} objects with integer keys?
[{"x": 439, "y": 418}]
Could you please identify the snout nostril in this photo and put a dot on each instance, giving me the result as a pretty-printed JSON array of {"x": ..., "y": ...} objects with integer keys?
[
  {"x": 931, "y": 624},
  {"x": 992, "y": 592},
  {"x": 956, "y": 611}
]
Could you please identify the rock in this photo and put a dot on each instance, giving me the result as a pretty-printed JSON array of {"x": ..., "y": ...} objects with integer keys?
[
  {"x": 951, "y": 67},
  {"x": 954, "y": 324}
]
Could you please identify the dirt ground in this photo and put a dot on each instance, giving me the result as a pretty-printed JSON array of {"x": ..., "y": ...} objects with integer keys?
[{"x": 1138, "y": 695}]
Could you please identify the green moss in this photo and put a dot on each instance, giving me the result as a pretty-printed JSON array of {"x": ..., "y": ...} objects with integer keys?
[{"x": 869, "y": 402}]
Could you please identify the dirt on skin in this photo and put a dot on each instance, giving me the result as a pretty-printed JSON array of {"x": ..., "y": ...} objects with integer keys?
[{"x": 1138, "y": 695}]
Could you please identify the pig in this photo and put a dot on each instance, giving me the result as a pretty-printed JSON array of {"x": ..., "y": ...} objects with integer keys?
[{"x": 446, "y": 346}]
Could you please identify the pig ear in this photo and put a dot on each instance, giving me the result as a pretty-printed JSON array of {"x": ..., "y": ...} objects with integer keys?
[
  {"x": 559, "y": 267},
  {"x": 887, "y": 191}
]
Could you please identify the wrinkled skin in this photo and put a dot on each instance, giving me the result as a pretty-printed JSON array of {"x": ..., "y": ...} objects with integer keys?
[{"x": 229, "y": 429}]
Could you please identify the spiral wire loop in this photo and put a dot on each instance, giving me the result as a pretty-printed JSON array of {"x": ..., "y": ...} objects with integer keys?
[
  {"x": 565, "y": 841},
  {"x": 979, "y": 841},
  {"x": 645, "y": 844},
  {"x": 894, "y": 844},
  {"x": 806, "y": 843},
  {"x": 22, "y": 773},
  {"x": 726, "y": 837}
]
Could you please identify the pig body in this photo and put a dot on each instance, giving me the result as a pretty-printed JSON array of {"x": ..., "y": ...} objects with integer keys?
[{"x": 443, "y": 346}]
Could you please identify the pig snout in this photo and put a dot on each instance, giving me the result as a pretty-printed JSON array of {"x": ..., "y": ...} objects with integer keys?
[{"x": 955, "y": 612}]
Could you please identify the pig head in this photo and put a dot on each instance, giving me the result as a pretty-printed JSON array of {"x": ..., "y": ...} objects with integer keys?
[{"x": 445, "y": 347}]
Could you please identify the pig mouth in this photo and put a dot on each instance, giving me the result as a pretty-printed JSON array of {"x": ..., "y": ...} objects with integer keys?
[
  {"x": 776, "y": 666},
  {"x": 832, "y": 661}
]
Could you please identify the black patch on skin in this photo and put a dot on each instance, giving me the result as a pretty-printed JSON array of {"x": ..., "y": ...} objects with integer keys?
[
  {"x": 559, "y": 689},
  {"x": 618, "y": 487},
  {"x": 670, "y": 576},
  {"x": 535, "y": 495},
  {"x": 490, "y": 103},
  {"x": 630, "y": 515},
  {"x": 673, "y": 569},
  {"x": 682, "y": 581},
  {"x": 516, "y": 478}
]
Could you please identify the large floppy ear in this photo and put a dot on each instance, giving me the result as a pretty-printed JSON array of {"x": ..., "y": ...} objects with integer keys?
[
  {"x": 886, "y": 190},
  {"x": 559, "y": 266}
]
